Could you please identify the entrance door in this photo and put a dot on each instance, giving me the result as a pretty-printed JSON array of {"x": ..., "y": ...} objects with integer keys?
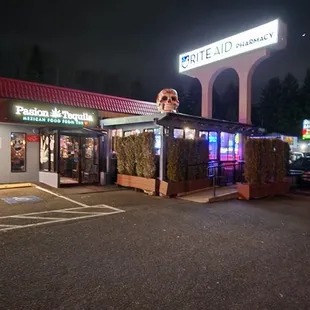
[
  {"x": 89, "y": 160},
  {"x": 69, "y": 164}
]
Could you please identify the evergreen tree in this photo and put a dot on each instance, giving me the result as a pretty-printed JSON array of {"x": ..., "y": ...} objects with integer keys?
[
  {"x": 290, "y": 111},
  {"x": 137, "y": 90},
  {"x": 269, "y": 105},
  {"x": 34, "y": 71},
  {"x": 305, "y": 95},
  {"x": 217, "y": 108},
  {"x": 230, "y": 103},
  {"x": 189, "y": 93}
]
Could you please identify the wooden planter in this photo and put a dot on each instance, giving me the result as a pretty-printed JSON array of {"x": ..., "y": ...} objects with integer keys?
[
  {"x": 249, "y": 191},
  {"x": 171, "y": 189},
  {"x": 145, "y": 184}
]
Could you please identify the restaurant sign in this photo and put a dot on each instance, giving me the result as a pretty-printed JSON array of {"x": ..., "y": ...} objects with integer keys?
[{"x": 41, "y": 113}]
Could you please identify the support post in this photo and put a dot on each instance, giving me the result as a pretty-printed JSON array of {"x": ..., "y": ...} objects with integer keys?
[
  {"x": 163, "y": 154},
  {"x": 108, "y": 153}
]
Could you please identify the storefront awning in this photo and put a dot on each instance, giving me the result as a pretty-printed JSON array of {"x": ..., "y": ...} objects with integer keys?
[{"x": 178, "y": 120}]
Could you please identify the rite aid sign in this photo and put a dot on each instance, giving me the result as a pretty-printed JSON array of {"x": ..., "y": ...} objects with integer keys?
[{"x": 255, "y": 38}]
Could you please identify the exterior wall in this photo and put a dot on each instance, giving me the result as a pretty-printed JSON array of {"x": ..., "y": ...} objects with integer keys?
[
  {"x": 49, "y": 178},
  {"x": 32, "y": 156}
]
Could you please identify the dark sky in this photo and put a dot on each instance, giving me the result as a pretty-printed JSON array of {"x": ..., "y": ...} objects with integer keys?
[{"x": 144, "y": 38}]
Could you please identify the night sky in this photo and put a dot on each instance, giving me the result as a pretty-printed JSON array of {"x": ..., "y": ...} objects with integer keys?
[{"x": 143, "y": 38}]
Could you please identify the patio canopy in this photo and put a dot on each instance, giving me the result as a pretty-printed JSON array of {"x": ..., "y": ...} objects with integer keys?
[{"x": 178, "y": 120}]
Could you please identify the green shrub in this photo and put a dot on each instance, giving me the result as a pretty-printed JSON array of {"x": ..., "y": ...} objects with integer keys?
[
  {"x": 121, "y": 155},
  {"x": 190, "y": 159},
  {"x": 287, "y": 155},
  {"x": 265, "y": 160},
  {"x": 203, "y": 158},
  {"x": 279, "y": 160},
  {"x": 136, "y": 156},
  {"x": 176, "y": 160},
  {"x": 139, "y": 160},
  {"x": 147, "y": 140},
  {"x": 187, "y": 159},
  {"x": 252, "y": 155},
  {"x": 130, "y": 162}
]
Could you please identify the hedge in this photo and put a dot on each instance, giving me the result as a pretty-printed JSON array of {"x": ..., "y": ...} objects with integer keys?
[
  {"x": 265, "y": 160},
  {"x": 187, "y": 159},
  {"x": 136, "y": 155}
]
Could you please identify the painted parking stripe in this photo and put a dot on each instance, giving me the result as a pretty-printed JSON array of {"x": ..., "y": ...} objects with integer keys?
[
  {"x": 81, "y": 212},
  {"x": 58, "y": 221},
  {"x": 33, "y": 217},
  {"x": 74, "y": 201}
]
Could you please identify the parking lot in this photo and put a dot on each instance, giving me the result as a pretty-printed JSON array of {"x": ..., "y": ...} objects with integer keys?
[
  {"x": 140, "y": 252},
  {"x": 37, "y": 206}
]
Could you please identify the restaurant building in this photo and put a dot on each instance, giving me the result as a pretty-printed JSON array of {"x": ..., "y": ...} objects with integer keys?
[{"x": 52, "y": 135}]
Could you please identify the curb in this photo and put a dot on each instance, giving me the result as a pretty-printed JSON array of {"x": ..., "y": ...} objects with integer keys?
[{"x": 15, "y": 185}]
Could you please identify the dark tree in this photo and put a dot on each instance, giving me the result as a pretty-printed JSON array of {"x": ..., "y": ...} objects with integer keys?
[
  {"x": 113, "y": 85},
  {"x": 230, "y": 103},
  {"x": 305, "y": 96},
  {"x": 34, "y": 71},
  {"x": 290, "y": 111},
  {"x": 217, "y": 108},
  {"x": 269, "y": 105},
  {"x": 137, "y": 90},
  {"x": 189, "y": 92}
]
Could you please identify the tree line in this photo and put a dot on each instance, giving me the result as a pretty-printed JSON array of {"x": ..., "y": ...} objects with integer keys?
[{"x": 283, "y": 105}]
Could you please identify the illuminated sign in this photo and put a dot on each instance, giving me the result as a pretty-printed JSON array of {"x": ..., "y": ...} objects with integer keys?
[
  {"x": 306, "y": 129},
  {"x": 29, "y": 112},
  {"x": 243, "y": 42}
]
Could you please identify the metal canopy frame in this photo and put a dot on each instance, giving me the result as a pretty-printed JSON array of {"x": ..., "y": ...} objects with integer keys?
[{"x": 179, "y": 120}]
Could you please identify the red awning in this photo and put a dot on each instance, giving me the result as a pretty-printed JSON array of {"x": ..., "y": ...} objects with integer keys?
[{"x": 22, "y": 90}]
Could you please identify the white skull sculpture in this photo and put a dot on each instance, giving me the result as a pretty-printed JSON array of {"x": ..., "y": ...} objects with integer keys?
[{"x": 167, "y": 100}]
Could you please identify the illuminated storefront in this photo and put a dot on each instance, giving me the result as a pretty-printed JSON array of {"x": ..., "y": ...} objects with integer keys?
[
  {"x": 54, "y": 141},
  {"x": 225, "y": 139},
  {"x": 50, "y": 134}
]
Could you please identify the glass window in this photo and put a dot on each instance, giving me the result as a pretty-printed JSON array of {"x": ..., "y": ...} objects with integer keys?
[
  {"x": 204, "y": 135},
  {"x": 189, "y": 133},
  {"x": 52, "y": 153},
  {"x": 178, "y": 133},
  {"x": 238, "y": 147},
  {"x": 44, "y": 152},
  {"x": 213, "y": 141},
  {"x": 18, "y": 152},
  {"x": 47, "y": 152},
  {"x": 227, "y": 146}
]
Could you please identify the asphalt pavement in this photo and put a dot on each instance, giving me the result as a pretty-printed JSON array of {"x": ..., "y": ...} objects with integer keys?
[{"x": 159, "y": 254}]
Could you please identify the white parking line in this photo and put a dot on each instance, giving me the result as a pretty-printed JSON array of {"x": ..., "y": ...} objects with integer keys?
[
  {"x": 57, "y": 221},
  {"x": 34, "y": 217},
  {"x": 106, "y": 210},
  {"x": 74, "y": 201}
]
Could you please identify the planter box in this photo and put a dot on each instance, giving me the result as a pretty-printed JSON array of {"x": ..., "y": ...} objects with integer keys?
[
  {"x": 247, "y": 191},
  {"x": 137, "y": 182},
  {"x": 171, "y": 189}
]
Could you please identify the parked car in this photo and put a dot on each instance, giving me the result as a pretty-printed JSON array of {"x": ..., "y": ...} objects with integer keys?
[
  {"x": 297, "y": 155},
  {"x": 302, "y": 164}
]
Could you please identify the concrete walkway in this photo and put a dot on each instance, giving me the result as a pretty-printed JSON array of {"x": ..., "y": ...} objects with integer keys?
[{"x": 207, "y": 195}]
